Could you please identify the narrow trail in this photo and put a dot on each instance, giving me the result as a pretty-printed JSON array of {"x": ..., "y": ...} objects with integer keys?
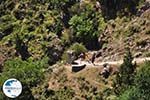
[{"x": 119, "y": 62}]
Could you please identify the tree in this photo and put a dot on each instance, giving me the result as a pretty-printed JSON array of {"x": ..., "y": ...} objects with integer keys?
[
  {"x": 30, "y": 73},
  {"x": 142, "y": 81},
  {"x": 125, "y": 77},
  {"x": 87, "y": 26},
  {"x": 140, "y": 90}
]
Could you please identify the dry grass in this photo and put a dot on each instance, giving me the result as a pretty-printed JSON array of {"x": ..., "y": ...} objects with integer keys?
[{"x": 87, "y": 77}]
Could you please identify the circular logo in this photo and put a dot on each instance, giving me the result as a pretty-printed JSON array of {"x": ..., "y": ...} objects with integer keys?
[{"x": 12, "y": 88}]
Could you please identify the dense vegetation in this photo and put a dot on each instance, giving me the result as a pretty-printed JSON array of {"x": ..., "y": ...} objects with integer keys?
[
  {"x": 30, "y": 73},
  {"x": 139, "y": 90},
  {"x": 37, "y": 34}
]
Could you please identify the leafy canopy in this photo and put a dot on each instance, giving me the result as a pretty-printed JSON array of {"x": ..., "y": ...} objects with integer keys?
[
  {"x": 140, "y": 90},
  {"x": 28, "y": 72}
]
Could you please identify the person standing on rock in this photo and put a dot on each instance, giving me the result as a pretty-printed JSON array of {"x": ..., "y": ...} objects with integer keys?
[{"x": 93, "y": 58}]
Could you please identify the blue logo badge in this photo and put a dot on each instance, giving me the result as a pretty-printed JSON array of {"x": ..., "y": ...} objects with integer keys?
[{"x": 12, "y": 88}]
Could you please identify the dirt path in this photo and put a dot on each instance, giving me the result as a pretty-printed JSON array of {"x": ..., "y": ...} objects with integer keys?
[{"x": 137, "y": 60}]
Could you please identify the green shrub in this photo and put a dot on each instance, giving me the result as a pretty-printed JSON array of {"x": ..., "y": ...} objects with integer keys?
[
  {"x": 73, "y": 52},
  {"x": 87, "y": 25},
  {"x": 129, "y": 94},
  {"x": 142, "y": 81},
  {"x": 64, "y": 94},
  {"x": 29, "y": 73},
  {"x": 66, "y": 37},
  {"x": 131, "y": 29},
  {"x": 147, "y": 31},
  {"x": 78, "y": 48},
  {"x": 82, "y": 27},
  {"x": 140, "y": 90},
  {"x": 125, "y": 77}
]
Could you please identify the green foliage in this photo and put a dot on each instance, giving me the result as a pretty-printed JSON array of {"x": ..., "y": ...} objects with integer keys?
[
  {"x": 140, "y": 90},
  {"x": 129, "y": 94},
  {"x": 67, "y": 58},
  {"x": 88, "y": 91},
  {"x": 76, "y": 49},
  {"x": 142, "y": 80},
  {"x": 147, "y": 31},
  {"x": 58, "y": 4},
  {"x": 82, "y": 27},
  {"x": 33, "y": 24},
  {"x": 125, "y": 77},
  {"x": 87, "y": 25},
  {"x": 65, "y": 93},
  {"x": 6, "y": 26},
  {"x": 132, "y": 29},
  {"x": 35, "y": 28},
  {"x": 30, "y": 73},
  {"x": 66, "y": 38}
]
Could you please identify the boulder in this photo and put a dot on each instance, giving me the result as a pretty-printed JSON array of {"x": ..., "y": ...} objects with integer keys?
[{"x": 138, "y": 54}]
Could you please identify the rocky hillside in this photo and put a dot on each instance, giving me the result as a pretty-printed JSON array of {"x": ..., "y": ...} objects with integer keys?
[
  {"x": 127, "y": 32},
  {"x": 38, "y": 35},
  {"x": 54, "y": 27}
]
